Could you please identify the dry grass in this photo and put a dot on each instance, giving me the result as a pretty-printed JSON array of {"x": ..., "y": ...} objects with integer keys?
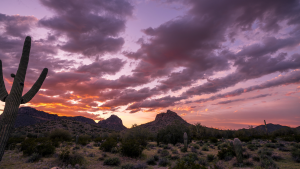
[{"x": 13, "y": 159}]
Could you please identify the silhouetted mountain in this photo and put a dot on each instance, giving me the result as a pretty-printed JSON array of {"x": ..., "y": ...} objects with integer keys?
[
  {"x": 271, "y": 127},
  {"x": 113, "y": 123},
  {"x": 30, "y": 116},
  {"x": 162, "y": 120}
]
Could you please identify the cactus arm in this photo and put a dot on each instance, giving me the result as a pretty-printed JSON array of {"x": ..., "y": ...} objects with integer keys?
[
  {"x": 3, "y": 92},
  {"x": 35, "y": 88}
]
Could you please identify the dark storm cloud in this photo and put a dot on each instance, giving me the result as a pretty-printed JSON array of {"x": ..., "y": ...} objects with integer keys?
[
  {"x": 248, "y": 69},
  {"x": 155, "y": 103},
  {"x": 129, "y": 96},
  {"x": 17, "y": 26},
  {"x": 244, "y": 99},
  {"x": 91, "y": 27},
  {"x": 289, "y": 78},
  {"x": 101, "y": 67},
  {"x": 190, "y": 42}
]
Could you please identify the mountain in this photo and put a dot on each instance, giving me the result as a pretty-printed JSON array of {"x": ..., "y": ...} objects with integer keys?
[
  {"x": 271, "y": 127},
  {"x": 30, "y": 116},
  {"x": 162, "y": 120},
  {"x": 113, "y": 123}
]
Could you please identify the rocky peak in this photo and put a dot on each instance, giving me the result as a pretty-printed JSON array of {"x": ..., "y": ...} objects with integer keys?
[
  {"x": 166, "y": 116},
  {"x": 113, "y": 122}
]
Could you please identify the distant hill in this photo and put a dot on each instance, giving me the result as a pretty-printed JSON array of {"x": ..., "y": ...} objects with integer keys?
[
  {"x": 113, "y": 123},
  {"x": 30, "y": 116},
  {"x": 271, "y": 127},
  {"x": 162, "y": 120}
]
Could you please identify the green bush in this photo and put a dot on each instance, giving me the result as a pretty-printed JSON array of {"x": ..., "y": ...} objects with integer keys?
[
  {"x": 12, "y": 141},
  {"x": 251, "y": 147},
  {"x": 29, "y": 146},
  {"x": 33, "y": 158},
  {"x": 190, "y": 158},
  {"x": 127, "y": 166},
  {"x": 164, "y": 153},
  {"x": 108, "y": 144},
  {"x": 210, "y": 157},
  {"x": 205, "y": 148},
  {"x": 226, "y": 153},
  {"x": 60, "y": 135},
  {"x": 163, "y": 162},
  {"x": 84, "y": 140},
  {"x": 213, "y": 140},
  {"x": 112, "y": 161},
  {"x": 131, "y": 148},
  {"x": 151, "y": 161},
  {"x": 296, "y": 154},
  {"x": 173, "y": 133},
  {"x": 45, "y": 149}
]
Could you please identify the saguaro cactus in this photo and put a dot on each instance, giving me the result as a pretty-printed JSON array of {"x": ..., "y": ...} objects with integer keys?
[
  {"x": 237, "y": 144},
  {"x": 266, "y": 127},
  {"x": 15, "y": 98},
  {"x": 185, "y": 138}
]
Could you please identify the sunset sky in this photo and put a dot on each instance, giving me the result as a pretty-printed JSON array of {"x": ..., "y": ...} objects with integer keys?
[{"x": 227, "y": 64}]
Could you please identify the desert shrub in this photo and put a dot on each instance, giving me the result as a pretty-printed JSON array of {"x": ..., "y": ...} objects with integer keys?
[
  {"x": 12, "y": 141},
  {"x": 251, "y": 147},
  {"x": 131, "y": 148},
  {"x": 245, "y": 139},
  {"x": 163, "y": 162},
  {"x": 175, "y": 151},
  {"x": 196, "y": 146},
  {"x": 98, "y": 139},
  {"x": 296, "y": 154},
  {"x": 183, "y": 149},
  {"x": 193, "y": 149},
  {"x": 205, "y": 148},
  {"x": 202, "y": 161},
  {"x": 141, "y": 135},
  {"x": 164, "y": 153},
  {"x": 256, "y": 158},
  {"x": 84, "y": 140},
  {"x": 45, "y": 149},
  {"x": 297, "y": 146},
  {"x": 174, "y": 157},
  {"x": 73, "y": 158},
  {"x": 108, "y": 144},
  {"x": 127, "y": 166},
  {"x": 226, "y": 153},
  {"x": 210, "y": 157},
  {"x": 219, "y": 165},
  {"x": 140, "y": 166},
  {"x": 33, "y": 158},
  {"x": 213, "y": 140},
  {"x": 173, "y": 133},
  {"x": 156, "y": 157},
  {"x": 151, "y": 161},
  {"x": 181, "y": 164},
  {"x": 248, "y": 163},
  {"x": 112, "y": 161},
  {"x": 190, "y": 158},
  {"x": 276, "y": 157},
  {"x": 114, "y": 150},
  {"x": 28, "y": 146},
  {"x": 265, "y": 152},
  {"x": 267, "y": 162},
  {"x": 60, "y": 135},
  {"x": 246, "y": 155},
  {"x": 271, "y": 145}
]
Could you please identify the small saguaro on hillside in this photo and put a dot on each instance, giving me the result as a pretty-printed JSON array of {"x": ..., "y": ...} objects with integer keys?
[{"x": 15, "y": 98}]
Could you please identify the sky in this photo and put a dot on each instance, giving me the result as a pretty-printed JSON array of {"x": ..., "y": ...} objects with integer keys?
[{"x": 225, "y": 64}]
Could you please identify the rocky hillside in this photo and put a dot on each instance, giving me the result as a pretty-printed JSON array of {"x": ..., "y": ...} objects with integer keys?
[
  {"x": 162, "y": 120},
  {"x": 113, "y": 123}
]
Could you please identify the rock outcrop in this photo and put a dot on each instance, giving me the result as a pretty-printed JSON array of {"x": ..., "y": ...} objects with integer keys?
[{"x": 113, "y": 123}]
